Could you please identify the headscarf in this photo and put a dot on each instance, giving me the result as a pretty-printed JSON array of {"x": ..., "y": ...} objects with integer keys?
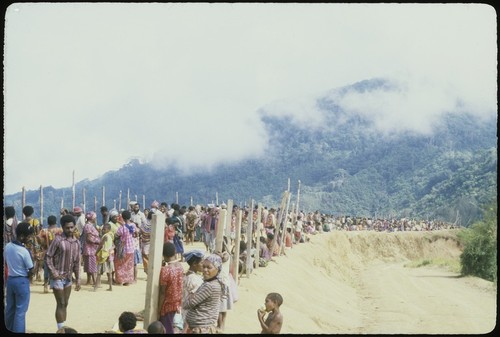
[
  {"x": 113, "y": 213},
  {"x": 216, "y": 260},
  {"x": 155, "y": 204},
  {"x": 193, "y": 253},
  {"x": 90, "y": 215}
]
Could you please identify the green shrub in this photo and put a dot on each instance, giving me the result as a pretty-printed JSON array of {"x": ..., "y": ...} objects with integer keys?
[{"x": 479, "y": 257}]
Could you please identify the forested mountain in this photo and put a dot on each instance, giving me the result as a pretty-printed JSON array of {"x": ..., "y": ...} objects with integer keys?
[{"x": 345, "y": 167}]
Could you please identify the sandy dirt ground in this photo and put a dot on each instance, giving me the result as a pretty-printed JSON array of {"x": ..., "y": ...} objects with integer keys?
[{"x": 338, "y": 283}]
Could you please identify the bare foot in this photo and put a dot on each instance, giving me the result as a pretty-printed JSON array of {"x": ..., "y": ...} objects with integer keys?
[{"x": 109, "y": 289}]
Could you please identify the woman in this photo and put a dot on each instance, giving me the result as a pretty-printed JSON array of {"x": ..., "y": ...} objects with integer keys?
[
  {"x": 192, "y": 278},
  {"x": 170, "y": 296},
  {"x": 124, "y": 257},
  {"x": 146, "y": 240},
  {"x": 90, "y": 244},
  {"x": 205, "y": 303}
]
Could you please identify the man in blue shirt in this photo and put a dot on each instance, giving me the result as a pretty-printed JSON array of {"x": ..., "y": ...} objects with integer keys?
[{"x": 20, "y": 266}]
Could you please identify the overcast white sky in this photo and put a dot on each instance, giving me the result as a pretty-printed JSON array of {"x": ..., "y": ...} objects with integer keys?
[{"x": 89, "y": 86}]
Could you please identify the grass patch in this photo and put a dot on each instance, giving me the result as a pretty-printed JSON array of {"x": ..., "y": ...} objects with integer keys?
[{"x": 449, "y": 264}]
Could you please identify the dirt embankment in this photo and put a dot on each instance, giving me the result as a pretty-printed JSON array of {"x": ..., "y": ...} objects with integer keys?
[{"x": 338, "y": 283}]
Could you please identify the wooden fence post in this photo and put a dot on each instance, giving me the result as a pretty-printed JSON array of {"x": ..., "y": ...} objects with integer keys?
[
  {"x": 154, "y": 266},
  {"x": 236, "y": 259},
  {"x": 221, "y": 220}
]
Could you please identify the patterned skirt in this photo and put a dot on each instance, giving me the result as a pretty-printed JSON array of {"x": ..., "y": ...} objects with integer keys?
[
  {"x": 124, "y": 268},
  {"x": 89, "y": 263}
]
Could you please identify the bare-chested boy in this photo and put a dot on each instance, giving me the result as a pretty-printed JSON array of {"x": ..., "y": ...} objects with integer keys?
[{"x": 274, "y": 320}]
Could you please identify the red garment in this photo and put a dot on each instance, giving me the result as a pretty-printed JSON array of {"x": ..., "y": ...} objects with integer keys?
[
  {"x": 171, "y": 276},
  {"x": 169, "y": 233}
]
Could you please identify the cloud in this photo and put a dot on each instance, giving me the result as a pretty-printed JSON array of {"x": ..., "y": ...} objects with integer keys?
[{"x": 89, "y": 86}]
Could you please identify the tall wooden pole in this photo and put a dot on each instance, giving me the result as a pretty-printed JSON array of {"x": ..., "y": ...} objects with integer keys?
[
  {"x": 288, "y": 189},
  {"x": 41, "y": 205},
  {"x": 114, "y": 203},
  {"x": 136, "y": 198},
  {"x": 216, "y": 199},
  {"x": 177, "y": 198},
  {"x": 155, "y": 257},
  {"x": 257, "y": 234},
  {"x": 73, "y": 191},
  {"x": 249, "y": 239},
  {"x": 229, "y": 220},
  {"x": 221, "y": 221},
  {"x": 143, "y": 201},
  {"x": 128, "y": 198},
  {"x": 285, "y": 215},
  {"x": 191, "y": 203},
  {"x": 236, "y": 259},
  {"x": 84, "y": 200},
  {"x": 120, "y": 202},
  {"x": 23, "y": 201},
  {"x": 95, "y": 203},
  {"x": 104, "y": 196},
  {"x": 298, "y": 198}
]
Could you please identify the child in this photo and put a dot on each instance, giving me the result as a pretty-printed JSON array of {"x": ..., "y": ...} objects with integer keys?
[
  {"x": 274, "y": 320},
  {"x": 105, "y": 257},
  {"x": 170, "y": 295}
]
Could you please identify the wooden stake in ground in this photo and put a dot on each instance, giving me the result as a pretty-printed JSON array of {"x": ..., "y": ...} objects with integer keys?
[
  {"x": 73, "y": 191},
  {"x": 236, "y": 259},
  {"x": 229, "y": 220},
  {"x": 23, "y": 200},
  {"x": 154, "y": 266},
  {"x": 41, "y": 205},
  {"x": 95, "y": 203},
  {"x": 257, "y": 235},
  {"x": 249, "y": 239},
  {"x": 280, "y": 220},
  {"x": 103, "y": 196},
  {"x": 221, "y": 221},
  {"x": 84, "y": 207},
  {"x": 120, "y": 202},
  {"x": 285, "y": 216}
]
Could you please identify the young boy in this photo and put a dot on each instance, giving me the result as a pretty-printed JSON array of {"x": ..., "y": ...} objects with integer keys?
[
  {"x": 105, "y": 257},
  {"x": 274, "y": 320}
]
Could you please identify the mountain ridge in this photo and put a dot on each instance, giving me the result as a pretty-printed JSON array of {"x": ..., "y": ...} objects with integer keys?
[{"x": 345, "y": 165}]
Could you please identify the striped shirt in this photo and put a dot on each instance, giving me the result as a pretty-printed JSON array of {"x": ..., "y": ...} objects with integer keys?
[
  {"x": 126, "y": 237},
  {"x": 204, "y": 304},
  {"x": 63, "y": 257}
]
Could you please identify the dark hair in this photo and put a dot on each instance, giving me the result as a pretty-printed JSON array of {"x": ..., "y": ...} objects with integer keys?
[
  {"x": 194, "y": 260},
  {"x": 276, "y": 298},
  {"x": 168, "y": 249},
  {"x": 51, "y": 220},
  {"x": 103, "y": 208},
  {"x": 67, "y": 329},
  {"x": 66, "y": 219},
  {"x": 28, "y": 210},
  {"x": 24, "y": 228},
  {"x": 126, "y": 215},
  {"x": 156, "y": 327},
  {"x": 9, "y": 212},
  {"x": 127, "y": 320}
]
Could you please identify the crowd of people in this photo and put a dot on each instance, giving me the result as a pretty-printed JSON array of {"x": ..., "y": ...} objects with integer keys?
[{"x": 196, "y": 288}]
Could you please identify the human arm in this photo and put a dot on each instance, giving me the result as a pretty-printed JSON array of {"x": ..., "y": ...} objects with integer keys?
[
  {"x": 202, "y": 294},
  {"x": 273, "y": 323},
  {"x": 76, "y": 266}
]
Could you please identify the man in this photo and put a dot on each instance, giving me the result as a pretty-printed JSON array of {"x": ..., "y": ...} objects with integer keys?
[
  {"x": 104, "y": 214},
  {"x": 140, "y": 221},
  {"x": 63, "y": 260},
  {"x": 32, "y": 244},
  {"x": 79, "y": 221},
  {"x": 20, "y": 266}
]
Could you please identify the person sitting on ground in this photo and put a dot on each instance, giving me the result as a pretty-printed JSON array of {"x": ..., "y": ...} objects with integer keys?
[
  {"x": 66, "y": 329},
  {"x": 274, "y": 320},
  {"x": 127, "y": 322},
  {"x": 156, "y": 327}
]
